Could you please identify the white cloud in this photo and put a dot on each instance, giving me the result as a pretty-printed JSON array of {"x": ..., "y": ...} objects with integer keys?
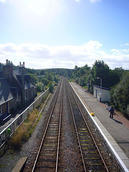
[
  {"x": 125, "y": 44},
  {"x": 94, "y": 1},
  {"x": 67, "y": 56}
]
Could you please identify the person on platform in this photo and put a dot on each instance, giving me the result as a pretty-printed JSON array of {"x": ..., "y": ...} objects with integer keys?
[{"x": 111, "y": 110}]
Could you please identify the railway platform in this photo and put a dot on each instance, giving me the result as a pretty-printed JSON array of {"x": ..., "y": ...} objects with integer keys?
[{"x": 115, "y": 131}]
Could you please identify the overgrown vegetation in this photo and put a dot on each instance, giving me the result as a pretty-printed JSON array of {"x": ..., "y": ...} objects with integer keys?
[
  {"x": 26, "y": 129},
  {"x": 43, "y": 79},
  {"x": 23, "y": 133}
]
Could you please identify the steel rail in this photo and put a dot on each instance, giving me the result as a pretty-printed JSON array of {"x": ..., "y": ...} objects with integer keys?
[
  {"x": 84, "y": 166},
  {"x": 59, "y": 133},
  {"x": 45, "y": 132},
  {"x": 91, "y": 133}
]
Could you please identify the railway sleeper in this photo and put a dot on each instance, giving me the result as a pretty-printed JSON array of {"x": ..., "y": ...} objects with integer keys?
[
  {"x": 92, "y": 158},
  {"x": 49, "y": 149},
  {"x": 50, "y": 144},
  {"x": 47, "y": 160},
  {"x": 51, "y": 137},
  {"x": 51, "y": 141},
  {"x": 88, "y": 149},
  {"x": 48, "y": 155},
  {"x": 45, "y": 166}
]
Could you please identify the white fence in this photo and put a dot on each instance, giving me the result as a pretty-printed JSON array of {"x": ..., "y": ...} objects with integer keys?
[{"x": 20, "y": 118}]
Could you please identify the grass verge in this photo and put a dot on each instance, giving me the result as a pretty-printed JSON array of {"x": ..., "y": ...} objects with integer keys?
[
  {"x": 23, "y": 133},
  {"x": 26, "y": 129}
]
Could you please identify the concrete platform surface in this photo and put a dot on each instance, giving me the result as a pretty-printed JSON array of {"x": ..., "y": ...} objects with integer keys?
[{"x": 115, "y": 131}]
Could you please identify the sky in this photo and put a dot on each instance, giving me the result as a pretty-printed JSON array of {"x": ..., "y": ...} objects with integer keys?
[{"x": 64, "y": 33}]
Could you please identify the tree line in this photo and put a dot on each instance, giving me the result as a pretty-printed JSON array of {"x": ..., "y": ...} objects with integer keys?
[
  {"x": 117, "y": 80},
  {"x": 47, "y": 78},
  {"x": 43, "y": 79}
]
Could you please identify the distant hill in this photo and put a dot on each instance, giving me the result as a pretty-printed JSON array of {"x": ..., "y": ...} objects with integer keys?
[
  {"x": 56, "y": 71},
  {"x": 61, "y": 71}
]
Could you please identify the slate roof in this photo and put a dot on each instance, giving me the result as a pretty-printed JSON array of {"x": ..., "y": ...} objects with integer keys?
[
  {"x": 27, "y": 81},
  {"x": 10, "y": 88},
  {"x": 5, "y": 92}
]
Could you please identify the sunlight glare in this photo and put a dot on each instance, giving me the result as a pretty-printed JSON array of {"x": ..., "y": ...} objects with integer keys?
[{"x": 44, "y": 7}]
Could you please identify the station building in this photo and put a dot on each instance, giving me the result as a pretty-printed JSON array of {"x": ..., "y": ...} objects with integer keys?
[
  {"x": 101, "y": 93},
  {"x": 16, "y": 88}
]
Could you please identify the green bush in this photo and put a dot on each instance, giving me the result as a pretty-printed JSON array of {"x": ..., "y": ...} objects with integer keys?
[
  {"x": 119, "y": 95},
  {"x": 51, "y": 88}
]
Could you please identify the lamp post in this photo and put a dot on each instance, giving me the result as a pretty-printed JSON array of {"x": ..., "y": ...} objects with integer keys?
[{"x": 100, "y": 81}]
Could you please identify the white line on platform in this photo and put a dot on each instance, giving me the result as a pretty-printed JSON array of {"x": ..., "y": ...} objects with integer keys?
[{"x": 117, "y": 151}]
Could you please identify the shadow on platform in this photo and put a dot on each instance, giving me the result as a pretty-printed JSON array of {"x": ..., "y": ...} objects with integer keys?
[{"x": 117, "y": 121}]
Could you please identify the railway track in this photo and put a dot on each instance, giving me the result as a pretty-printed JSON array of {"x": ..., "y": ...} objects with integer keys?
[
  {"x": 47, "y": 156},
  {"x": 92, "y": 158},
  {"x": 67, "y": 140}
]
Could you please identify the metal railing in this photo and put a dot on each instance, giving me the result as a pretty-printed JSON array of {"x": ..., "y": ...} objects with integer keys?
[{"x": 11, "y": 128}]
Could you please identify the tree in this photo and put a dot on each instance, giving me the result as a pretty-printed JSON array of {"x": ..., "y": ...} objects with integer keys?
[
  {"x": 49, "y": 76},
  {"x": 39, "y": 86},
  {"x": 51, "y": 88},
  {"x": 34, "y": 78},
  {"x": 45, "y": 81},
  {"x": 101, "y": 70},
  {"x": 80, "y": 75},
  {"x": 119, "y": 95},
  {"x": 42, "y": 72}
]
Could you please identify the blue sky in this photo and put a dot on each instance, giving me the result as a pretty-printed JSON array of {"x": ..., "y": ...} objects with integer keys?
[{"x": 64, "y": 33}]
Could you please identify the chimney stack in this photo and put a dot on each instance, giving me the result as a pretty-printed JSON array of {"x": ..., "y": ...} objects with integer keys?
[
  {"x": 23, "y": 64},
  {"x": 7, "y": 61},
  {"x": 8, "y": 69}
]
